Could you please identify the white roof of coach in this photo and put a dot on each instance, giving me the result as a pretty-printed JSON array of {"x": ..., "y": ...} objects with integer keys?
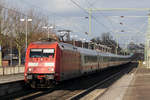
[
  {"x": 89, "y": 51},
  {"x": 79, "y": 49}
]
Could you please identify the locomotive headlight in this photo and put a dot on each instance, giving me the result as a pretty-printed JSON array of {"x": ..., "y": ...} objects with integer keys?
[
  {"x": 32, "y": 64},
  {"x": 49, "y": 64},
  {"x": 30, "y": 69},
  {"x": 52, "y": 69}
]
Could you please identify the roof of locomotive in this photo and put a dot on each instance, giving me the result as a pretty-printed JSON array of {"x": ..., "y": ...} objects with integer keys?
[{"x": 41, "y": 42}]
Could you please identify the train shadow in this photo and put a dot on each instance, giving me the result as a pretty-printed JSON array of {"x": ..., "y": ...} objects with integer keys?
[{"x": 81, "y": 83}]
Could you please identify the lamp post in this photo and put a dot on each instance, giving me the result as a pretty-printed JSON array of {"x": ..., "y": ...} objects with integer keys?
[
  {"x": 48, "y": 28},
  {"x": 26, "y": 22},
  {"x": 0, "y": 56}
]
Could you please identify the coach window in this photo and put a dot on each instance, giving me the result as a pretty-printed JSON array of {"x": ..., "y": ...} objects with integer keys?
[
  {"x": 101, "y": 58},
  {"x": 113, "y": 59},
  {"x": 105, "y": 59},
  {"x": 110, "y": 59},
  {"x": 95, "y": 59},
  {"x": 85, "y": 59}
]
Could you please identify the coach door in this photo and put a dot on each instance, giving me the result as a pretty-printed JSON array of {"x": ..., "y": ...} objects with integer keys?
[
  {"x": 101, "y": 62},
  {"x": 77, "y": 61}
]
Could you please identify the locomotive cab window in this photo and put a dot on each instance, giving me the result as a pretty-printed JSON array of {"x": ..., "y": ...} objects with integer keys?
[{"x": 35, "y": 53}]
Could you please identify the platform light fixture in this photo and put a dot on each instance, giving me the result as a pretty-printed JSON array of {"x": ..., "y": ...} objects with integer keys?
[
  {"x": 26, "y": 21},
  {"x": 48, "y": 28}
]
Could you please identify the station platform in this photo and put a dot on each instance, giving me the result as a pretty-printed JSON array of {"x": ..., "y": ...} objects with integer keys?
[
  {"x": 11, "y": 78},
  {"x": 132, "y": 86},
  {"x": 139, "y": 88}
]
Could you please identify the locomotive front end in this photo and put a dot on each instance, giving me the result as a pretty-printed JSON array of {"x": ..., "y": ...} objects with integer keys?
[{"x": 40, "y": 65}]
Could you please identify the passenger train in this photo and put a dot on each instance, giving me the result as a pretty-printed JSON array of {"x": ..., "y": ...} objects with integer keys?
[{"x": 48, "y": 63}]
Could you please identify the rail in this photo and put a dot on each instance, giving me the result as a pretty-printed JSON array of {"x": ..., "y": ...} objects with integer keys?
[
  {"x": 83, "y": 93},
  {"x": 68, "y": 89}
]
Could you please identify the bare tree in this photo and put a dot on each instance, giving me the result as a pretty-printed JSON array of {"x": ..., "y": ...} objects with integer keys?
[
  {"x": 4, "y": 28},
  {"x": 18, "y": 33},
  {"x": 12, "y": 30}
]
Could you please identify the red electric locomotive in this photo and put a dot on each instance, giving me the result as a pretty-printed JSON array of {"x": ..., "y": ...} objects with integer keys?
[
  {"x": 50, "y": 62},
  {"x": 45, "y": 63}
]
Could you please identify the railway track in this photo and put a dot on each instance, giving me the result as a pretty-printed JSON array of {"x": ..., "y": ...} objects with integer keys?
[
  {"x": 77, "y": 88},
  {"x": 88, "y": 95}
]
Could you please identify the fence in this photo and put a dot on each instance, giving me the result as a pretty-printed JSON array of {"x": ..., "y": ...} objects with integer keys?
[{"x": 11, "y": 70}]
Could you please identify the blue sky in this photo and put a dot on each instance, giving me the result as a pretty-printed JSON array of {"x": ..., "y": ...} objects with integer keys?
[{"x": 67, "y": 15}]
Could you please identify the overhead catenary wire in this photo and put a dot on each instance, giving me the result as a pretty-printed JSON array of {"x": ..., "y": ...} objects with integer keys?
[
  {"x": 137, "y": 31},
  {"x": 52, "y": 13},
  {"x": 84, "y": 10},
  {"x": 131, "y": 28},
  {"x": 91, "y": 4},
  {"x": 102, "y": 14},
  {"x": 92, "y": 17},
  {"x": 97, "y": 21}
]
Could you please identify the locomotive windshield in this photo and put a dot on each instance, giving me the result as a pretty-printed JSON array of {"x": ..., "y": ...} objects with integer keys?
[{"x": 35, "y": 53}]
